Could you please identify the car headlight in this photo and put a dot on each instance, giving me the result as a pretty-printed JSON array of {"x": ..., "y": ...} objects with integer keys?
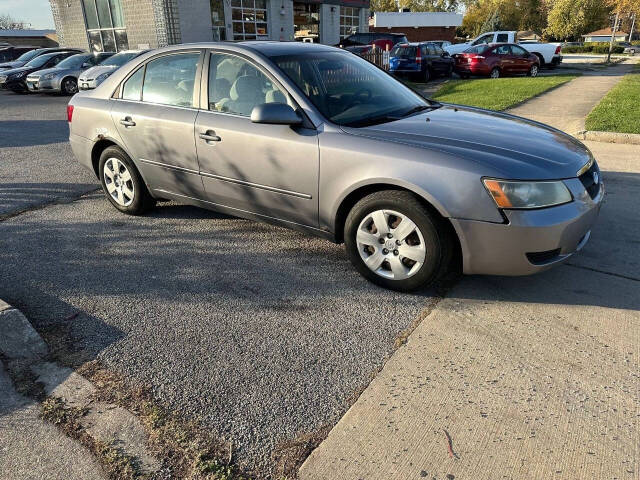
[
  {"x": 19, "y": 75},
  {"x": 49, "y": 76},
  {"x": 520, "y": 194}
]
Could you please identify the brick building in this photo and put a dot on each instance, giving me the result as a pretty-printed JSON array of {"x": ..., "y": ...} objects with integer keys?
[
  {"x": 114, "y": 25},
  {"x": 29, "y": 38},
  {"x": 418, "y": 26}
]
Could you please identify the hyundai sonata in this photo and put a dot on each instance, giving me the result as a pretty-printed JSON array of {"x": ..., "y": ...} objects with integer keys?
[{"x": 317, "y": 139}]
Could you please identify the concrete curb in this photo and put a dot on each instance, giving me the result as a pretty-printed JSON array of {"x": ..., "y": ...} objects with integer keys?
[
  {"x": 25, "y": 350},
  {"x": 609, "y": 137}
]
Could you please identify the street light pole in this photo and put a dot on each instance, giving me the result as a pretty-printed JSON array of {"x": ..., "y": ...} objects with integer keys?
[{"x": 613, "y": 34}]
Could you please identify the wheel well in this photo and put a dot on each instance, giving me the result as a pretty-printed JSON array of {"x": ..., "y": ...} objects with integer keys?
[
  {"x": 97, "y": 150},
  {"x": 67, "y": 77},
  {"x": 540, "y": 57},
  {"x": 355, "y": 196}
]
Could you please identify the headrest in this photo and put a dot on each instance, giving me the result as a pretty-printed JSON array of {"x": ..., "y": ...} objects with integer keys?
[{"x": 246, "y": 88}]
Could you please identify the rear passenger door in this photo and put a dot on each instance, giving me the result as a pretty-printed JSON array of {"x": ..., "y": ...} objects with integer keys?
[
  {"x": 154, "y": 113},
  {"x": 269, "y": 170},
  {"x": 507, "y": 64}
]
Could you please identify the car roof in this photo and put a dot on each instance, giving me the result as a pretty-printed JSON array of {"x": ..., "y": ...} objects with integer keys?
[{"x": 266, "y": 47}]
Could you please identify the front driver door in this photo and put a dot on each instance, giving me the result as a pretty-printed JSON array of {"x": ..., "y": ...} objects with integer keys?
[{"x": 269, "y": 170}]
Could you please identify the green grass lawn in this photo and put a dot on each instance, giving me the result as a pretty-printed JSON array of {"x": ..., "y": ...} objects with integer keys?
[
  {"x": 499, "y": 93},
  {"x": 619, "y": 110}
]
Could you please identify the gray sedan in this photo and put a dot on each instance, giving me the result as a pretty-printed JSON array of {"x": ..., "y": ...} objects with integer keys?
[
  {"x": 317, "y": 139},
  {"x": 63, "y": 78}
]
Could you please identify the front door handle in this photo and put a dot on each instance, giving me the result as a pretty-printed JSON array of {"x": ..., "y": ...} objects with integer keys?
[
  {"x": 127, "y": 122},
  {"x": 210, "y": 136}
]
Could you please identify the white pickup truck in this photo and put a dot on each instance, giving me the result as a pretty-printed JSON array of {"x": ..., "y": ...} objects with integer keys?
[{"x": 548, "y": 53}]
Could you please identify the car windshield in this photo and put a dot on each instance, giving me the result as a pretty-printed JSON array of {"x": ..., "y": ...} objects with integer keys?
[
  {"x": 403, "y": 52},
  {"x": 39, "y": 61},
  {"x": 350, "y": 91},
  {"x": 74, "y": 61},
  {"x": 476, "y": 49},
  {"x": 25, "y": 57},
  {"x": 119, "y": 59}
]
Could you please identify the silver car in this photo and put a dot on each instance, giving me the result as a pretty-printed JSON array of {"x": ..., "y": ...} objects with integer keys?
[
  {"x": 63, "y": 78},
  {"x": 94, "y": 76},
  {"x": 317, "y": 139}
]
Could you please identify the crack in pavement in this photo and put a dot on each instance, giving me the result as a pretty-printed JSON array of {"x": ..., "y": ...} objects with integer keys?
[
  {"x": 41, "y": 206},
  {"x": 626, "y": 277}
]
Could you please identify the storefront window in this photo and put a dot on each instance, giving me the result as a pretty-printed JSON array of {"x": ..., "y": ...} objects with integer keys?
[
  {"x": 349, "y": 21},
  {"x": 306, "y": 21},
  {"x": 105, "y": 24},
  {"x": 249, "y": 19},
  {"x": 217, "y": 20}
]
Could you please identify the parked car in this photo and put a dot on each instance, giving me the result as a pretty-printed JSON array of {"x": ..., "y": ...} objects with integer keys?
[
  {"x": 30, "y": 55},
  {"x": 63, "y": 78},
  {"x": 422, "y": 59},
  {"x": 15, "y": 79},
  {"x": 383, "y": 41},
  {"x": 549, "y": 54},
  {"x": 317, "y": 139},
  {"x": 629, "y": 47},
  {"x": 94, "y": 76},
  {"x": 496, "y": 60},
  {"x": 10, "y": 53}
]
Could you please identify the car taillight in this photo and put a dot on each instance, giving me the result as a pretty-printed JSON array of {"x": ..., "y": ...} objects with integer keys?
[
  {"x": 558, "y": 48},
  {"x": 418, "y": 56},
  {"x": 476, "y": 58},
  {"x": 69, "y": 113}
]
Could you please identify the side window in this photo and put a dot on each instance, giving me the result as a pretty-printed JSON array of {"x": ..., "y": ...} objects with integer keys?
[
  {"x": 484, "y": 39},
  {"x": 424, "y": 51},
  {"x": 432, "y": 51},
  {"x": 502, "y": 38},
  {"x": 518, "y": 50},
  {"x": 236, "y": 86},
  {"x": 438, "y": 50},
  {"x": 503, "y": 50},
  {"x": 170, "y": 80},
  {"x": 132, "y": 88}
]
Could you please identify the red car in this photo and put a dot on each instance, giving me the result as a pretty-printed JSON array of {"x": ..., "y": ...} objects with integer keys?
[{"x": 495, "y": 60}]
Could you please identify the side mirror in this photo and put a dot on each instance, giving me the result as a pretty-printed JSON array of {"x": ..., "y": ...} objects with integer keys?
[{"x": 275, "y": 114}]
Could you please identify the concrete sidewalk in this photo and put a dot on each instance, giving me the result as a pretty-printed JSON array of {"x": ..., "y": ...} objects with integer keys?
[
  {"x": 531, "y": 377},
  {"x": 566, "y": 107}
]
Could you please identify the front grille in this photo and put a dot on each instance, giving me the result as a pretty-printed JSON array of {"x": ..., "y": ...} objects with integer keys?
[
  {"x": 540, "y": 258},
  {"x": 592, "y": 179}
]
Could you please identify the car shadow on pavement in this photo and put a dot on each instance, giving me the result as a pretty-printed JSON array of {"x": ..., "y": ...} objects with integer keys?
[
  {"x": 27, "y": 133},
  {"x": 17, "y": 197}
]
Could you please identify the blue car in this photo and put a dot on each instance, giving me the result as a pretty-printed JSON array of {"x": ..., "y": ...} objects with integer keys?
[{"x": 421, "y": 59}]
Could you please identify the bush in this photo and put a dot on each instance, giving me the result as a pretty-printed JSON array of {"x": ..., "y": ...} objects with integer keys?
[{"x": 593, "y": 48}]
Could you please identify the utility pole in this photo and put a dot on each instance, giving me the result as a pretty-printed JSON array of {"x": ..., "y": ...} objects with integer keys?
[{"x": 613, "y": 34}]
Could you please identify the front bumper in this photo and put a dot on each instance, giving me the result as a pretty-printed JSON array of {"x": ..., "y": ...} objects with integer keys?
[
  {"x": 532, "y": 240},
  {"x": 41, "y": 85},
  {"x": 15, "y": 85},
  {"x": 86, "y": 83}
]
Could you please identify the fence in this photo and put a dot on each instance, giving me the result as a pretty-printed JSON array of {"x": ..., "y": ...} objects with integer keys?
[{"x": 377, "y": 56}]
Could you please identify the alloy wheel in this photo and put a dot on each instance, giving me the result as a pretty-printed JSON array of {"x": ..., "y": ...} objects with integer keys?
[
  {"x": 70, "y": 86},
  {"x": 390, "y": 244},
  {"x": 495, "y": 73},
  {"x": 118, "y": 181},
  {"x": 534, "y": 71}
]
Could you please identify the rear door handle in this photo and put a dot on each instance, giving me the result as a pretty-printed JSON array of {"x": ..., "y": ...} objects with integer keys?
[
  {"x": 127, "y": 122},
  {"x": 210, "y": 136}
]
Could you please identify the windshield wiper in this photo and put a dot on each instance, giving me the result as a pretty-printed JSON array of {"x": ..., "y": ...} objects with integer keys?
[
  {"x": 421, "y": 108},
  {"x": 367, "y": 122}
]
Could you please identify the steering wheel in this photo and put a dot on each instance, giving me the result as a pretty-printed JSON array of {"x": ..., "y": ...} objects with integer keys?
[{"x": 361, "y": 96}]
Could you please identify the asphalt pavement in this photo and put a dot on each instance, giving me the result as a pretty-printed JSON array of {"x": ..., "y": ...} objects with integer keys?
[{"x": 259, "y": 332}]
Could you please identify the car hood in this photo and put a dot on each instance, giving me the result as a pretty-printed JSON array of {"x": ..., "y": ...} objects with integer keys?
[
  {"x": 10, "y": 65},
  {"x": 506, "y": 145},
  {"x": 16, "y": 70},
  {"x": 93, "y": 72},
  {"x": 49, "y": 70}
]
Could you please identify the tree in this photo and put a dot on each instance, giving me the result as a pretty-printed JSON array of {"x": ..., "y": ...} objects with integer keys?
[
  {"x": 568, "y": 19},
  {"x": 488, "y": 15},
  {"x": 7, "y": 22},
  {"x": 414, "y": 5}
]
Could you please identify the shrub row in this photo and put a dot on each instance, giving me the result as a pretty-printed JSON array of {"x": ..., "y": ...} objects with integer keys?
[{"x": 593, "y": 49}]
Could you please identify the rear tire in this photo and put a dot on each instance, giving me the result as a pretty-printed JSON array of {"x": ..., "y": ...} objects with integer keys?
[
  {"x": 495, "y": 73},
  {"x": 122, "y": 184},
  {"x": 426, "y": 76},
  {"x": 385, "y": 258}
]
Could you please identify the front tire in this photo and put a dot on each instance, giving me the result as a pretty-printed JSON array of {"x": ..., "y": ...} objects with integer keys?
[
  {"x": 69, "y": 86},
  {"x": 122, "y": 184},
  {"x": 533, "y": 71},
  {"x": 396, "y": 242}
]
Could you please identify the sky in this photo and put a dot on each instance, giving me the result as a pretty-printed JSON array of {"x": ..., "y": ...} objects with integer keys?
[{"x": 35, "y": 12}]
